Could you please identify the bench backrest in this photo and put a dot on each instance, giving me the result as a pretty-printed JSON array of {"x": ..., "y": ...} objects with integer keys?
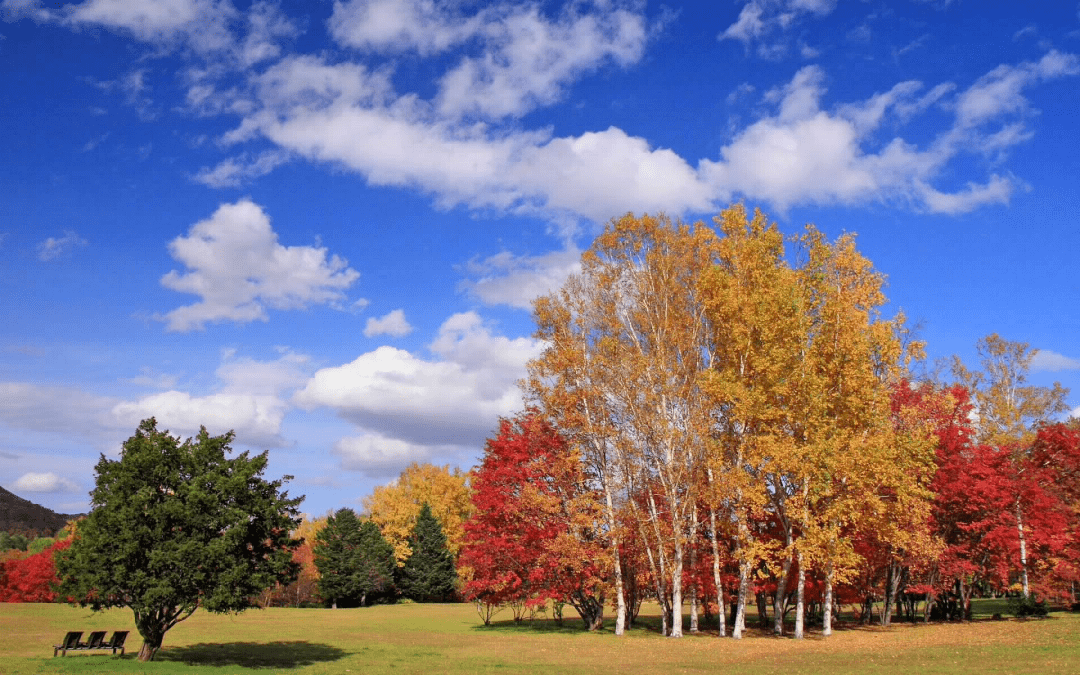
[
  {"x": 71, "y": 640},
  {"x": 118, "y": 639},
  {"x": 96, "y": 638}
]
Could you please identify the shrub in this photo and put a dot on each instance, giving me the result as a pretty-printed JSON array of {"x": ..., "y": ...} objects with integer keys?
[{"x": 1021, "y": 606}]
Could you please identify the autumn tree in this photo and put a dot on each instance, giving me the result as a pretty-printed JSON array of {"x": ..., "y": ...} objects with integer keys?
[
  {"x": 395, "y": 507},
  {"x": 428, "y": 573},
  {"x": 175, "y": 526},
  {"x": 627, "y": 340},
  {"x": 798, "y": 388},
  {"x": 1008, "y": 411},
  {"x": 31, "y": 578},
  {"x": 537, "y": 531}
]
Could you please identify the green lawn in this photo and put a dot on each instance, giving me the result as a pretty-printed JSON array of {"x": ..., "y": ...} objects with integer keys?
[{"x": 412, "y": 638}]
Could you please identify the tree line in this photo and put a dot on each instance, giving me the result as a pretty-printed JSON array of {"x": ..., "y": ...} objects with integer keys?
[{"x": 721, "y": 416}]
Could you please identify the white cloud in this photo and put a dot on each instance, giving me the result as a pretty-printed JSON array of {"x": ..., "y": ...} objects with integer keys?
[
  {"x": 34, "y": 407},
  {"x": 250, "y": 400},
  {"x": 149, "y": 378},
  {"x": 1046, "y": 360},
  {"x": 999, "y": 92},
  {"x": 526, "y": 59},
  {"x": 455, "y": 399},
  {"x": 237, "y": 171},
  {"x": 378, "y": 456},
  {"x": 393, "y": 324},
  {"x": 403, "y": 25},
  {"x": 806, "y": 154},
  {"x": 508, "y": 279},
  {"x": 761, "y": 19},
  {"x": 248, "y": 396},
  {"x": 530, "y": 60},
  {"x": 202, "y": 23},
  {"x": 44, "y": 482},
  {"x": 57, "y": 247},
  {"x": 238, "y": 269},
  {"x": 348, "y": 115},
  {"x": 13, "y": 10},
  {"x": 255, "y": 418}
]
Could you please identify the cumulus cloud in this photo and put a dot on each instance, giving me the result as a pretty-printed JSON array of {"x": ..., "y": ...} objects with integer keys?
[
  {"x": 378, "y": 456},
  {"x": 514, "y": 280},
  {"x": 44, "y": 482},
  {"x": 393, "y": 324},
  {"x": 350, "y": 115},
  {"x": 1046, "y": 360},
  {"x": 250, "y": 400},
  {"x": 237, "y": 267},
  {"x": 804, "y": 153},
  {"x": 58, "y": 247},
  {"x": 249, "y": 396},
  {"x": 453, "y": 399}
]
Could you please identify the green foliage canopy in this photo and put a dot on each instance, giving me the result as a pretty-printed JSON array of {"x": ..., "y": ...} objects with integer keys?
[{"x": 175, "y": 526}]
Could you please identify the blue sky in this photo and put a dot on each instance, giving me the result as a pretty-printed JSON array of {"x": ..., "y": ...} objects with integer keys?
[{"x": 320, "y": 224}]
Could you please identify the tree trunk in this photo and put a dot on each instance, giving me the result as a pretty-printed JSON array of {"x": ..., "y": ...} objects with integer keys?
[
  {"x": 897, "y": 580},
  {"x": 826, "y": 617},
  {"x": 800, "y": 601},
  {"x": 620, "y": 591},
  {"x": 890, "y": 581},
  {"x": 763, "y": 610},
  {"x": 1023, "y": 550},
  {"x": 716, "y": 572},
  {"x": 147, "y": 652},
  {"x": 740, "y": 603},
  {"x": 693, "y": 570},
  {"x": 676, "y": 591},
  {"x": 780, "y": 599}
]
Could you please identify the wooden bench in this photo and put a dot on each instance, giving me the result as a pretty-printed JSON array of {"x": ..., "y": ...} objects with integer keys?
[{"x": 72, "y": 642}]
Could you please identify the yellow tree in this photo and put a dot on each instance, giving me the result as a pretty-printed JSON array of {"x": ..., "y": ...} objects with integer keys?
[
  {"x": 858, "y": 463},
  {"x": 394, "y": 507},
  {"x": 1009, "y": 409},
  {"x": 626, "y": 347},
  {"x": 801, "y": 403},
  {"x": 753, "y": 305}
]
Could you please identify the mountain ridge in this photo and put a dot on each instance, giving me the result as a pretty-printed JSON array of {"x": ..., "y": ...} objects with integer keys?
[{"x": 23, "y": 515}]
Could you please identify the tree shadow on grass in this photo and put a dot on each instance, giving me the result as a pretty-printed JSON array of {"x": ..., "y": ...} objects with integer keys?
[{"x": 252, "y": 654}]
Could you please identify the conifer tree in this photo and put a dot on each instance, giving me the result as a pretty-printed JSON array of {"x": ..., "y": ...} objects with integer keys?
[
  {"x": 428, "y": 574},
  {"x": 355, "y": 562}
]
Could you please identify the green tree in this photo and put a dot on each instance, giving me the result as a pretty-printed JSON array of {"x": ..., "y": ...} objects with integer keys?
[
  {"x": 40, "y": 544},
  {"x": 175, "y": 526},
  {"x": 429, "y": 573},
  {"x": 353, "y": 559},
  {"x": 9, "y": 541}
]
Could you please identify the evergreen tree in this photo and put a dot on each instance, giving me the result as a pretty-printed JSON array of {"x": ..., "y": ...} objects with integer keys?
[
  {"x": 177, "y": 526},
  {"x": 375, "y": 564},
  {"x": 355, "y": 562},
  {"x": 334, "y": 551},
  {"x": 429, "y": 573}
]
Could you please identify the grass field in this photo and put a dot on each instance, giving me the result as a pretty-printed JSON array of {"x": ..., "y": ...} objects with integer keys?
[{"x": 412, "y": 638}]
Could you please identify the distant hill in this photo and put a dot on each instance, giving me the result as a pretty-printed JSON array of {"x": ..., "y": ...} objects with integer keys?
[{"x": 21, "y": 515}]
